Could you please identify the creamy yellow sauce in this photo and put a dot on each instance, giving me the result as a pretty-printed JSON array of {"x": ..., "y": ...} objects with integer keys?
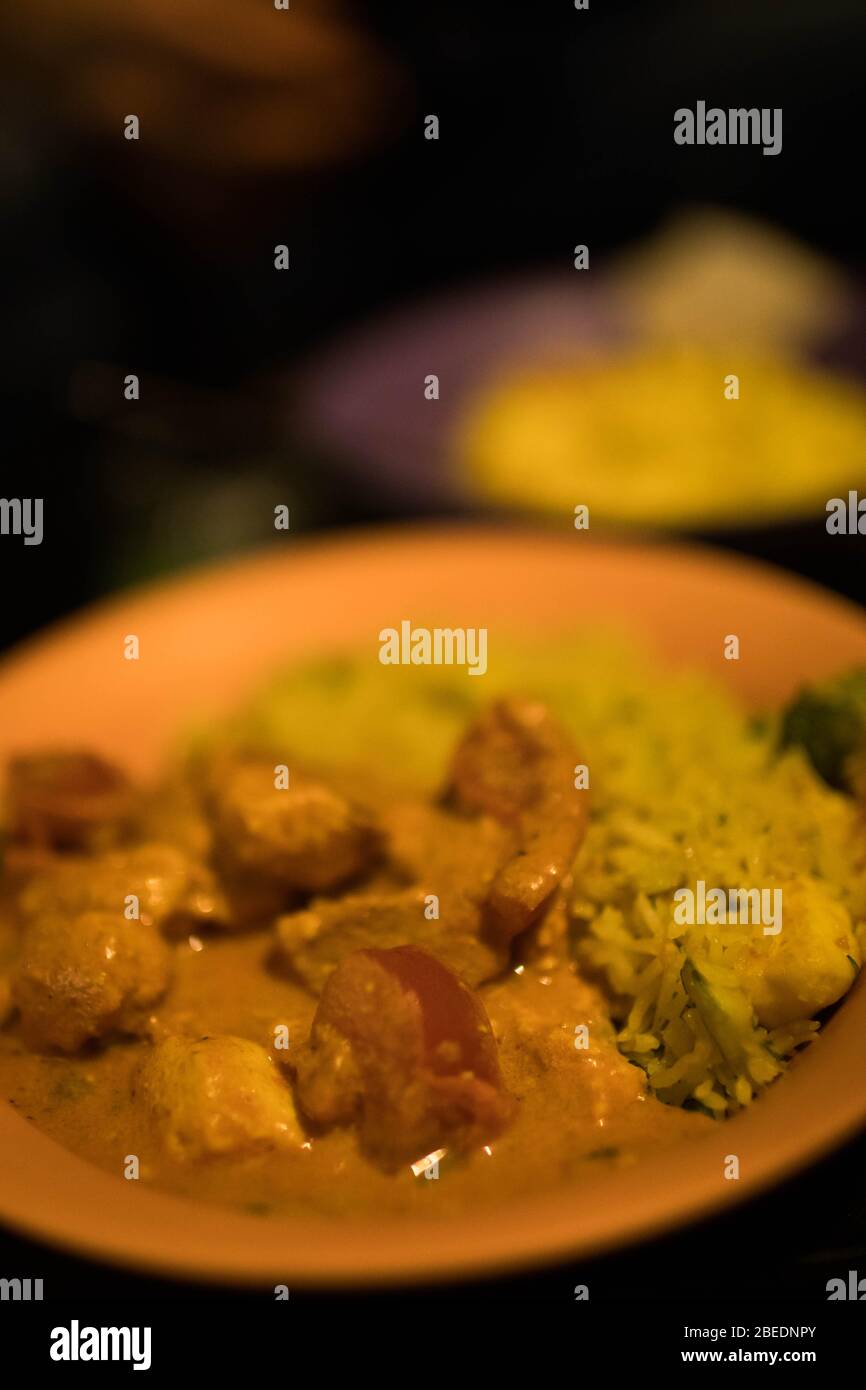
[{"x": 578, "y": 1108}]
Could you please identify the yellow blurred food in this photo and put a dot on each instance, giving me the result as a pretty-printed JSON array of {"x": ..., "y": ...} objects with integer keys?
[
  {"x": 657, "y": 438},
  {"x": 715, "y": 278}
]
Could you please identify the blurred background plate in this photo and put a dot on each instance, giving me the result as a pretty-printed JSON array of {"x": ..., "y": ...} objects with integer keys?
[
  {"x": 363, "y": 398},
  {"x": 548, "y": 385}
]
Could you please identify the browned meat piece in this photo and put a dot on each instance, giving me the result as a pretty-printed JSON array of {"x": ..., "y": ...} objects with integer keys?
[
  {"x": 516, "y": 763},
  {"x": 313, "y": 942},
  {"x": 400, "y": 1046},
  {"x": 175, "y": 894},
  {"x": 512, "y": 759},
  {"x": 67, "y": 801},
  {"x": 271, "y": 843},
  {"x": 88, "y": 976}
]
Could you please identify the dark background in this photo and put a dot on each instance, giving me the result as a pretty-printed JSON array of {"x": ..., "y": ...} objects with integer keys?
[{"x": 559, "y": 129}]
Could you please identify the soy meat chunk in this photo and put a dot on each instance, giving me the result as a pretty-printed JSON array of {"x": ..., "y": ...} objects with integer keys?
[
  {"x": 313, "y": 942},
  {"x": 458, "y": 856},
  {"x": 175, "y": 893},
  {"x": 306, "y": 838},
  {"x": 404, "y": 1049},
  {"x": 449, "y": 861},
  {"x": 517, "y": 764},
  {"x": 89, "y": 976},
  {"x": 216, "y": 1097},
  {"x": 67, "y": 801}
]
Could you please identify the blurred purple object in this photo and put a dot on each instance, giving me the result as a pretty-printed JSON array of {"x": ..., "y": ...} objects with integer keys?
[
  {"x": 364, "y": 399},
  {"x": 846, "y": 350}
]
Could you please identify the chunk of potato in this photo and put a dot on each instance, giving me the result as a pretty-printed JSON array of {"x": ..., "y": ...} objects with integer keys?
[
  {"x": 215, "y": 1096},
  {"x": 87, "y": 976},
  {"x": 808, "y": 965}
]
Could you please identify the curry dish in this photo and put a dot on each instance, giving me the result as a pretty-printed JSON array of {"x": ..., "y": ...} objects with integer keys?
[
  {"x": 290, "y": 988},
  {"x": 413, "y": 1025}
]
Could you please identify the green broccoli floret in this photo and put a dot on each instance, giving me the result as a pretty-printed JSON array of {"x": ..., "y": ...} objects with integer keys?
[{"x": 829, "y": 722}]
